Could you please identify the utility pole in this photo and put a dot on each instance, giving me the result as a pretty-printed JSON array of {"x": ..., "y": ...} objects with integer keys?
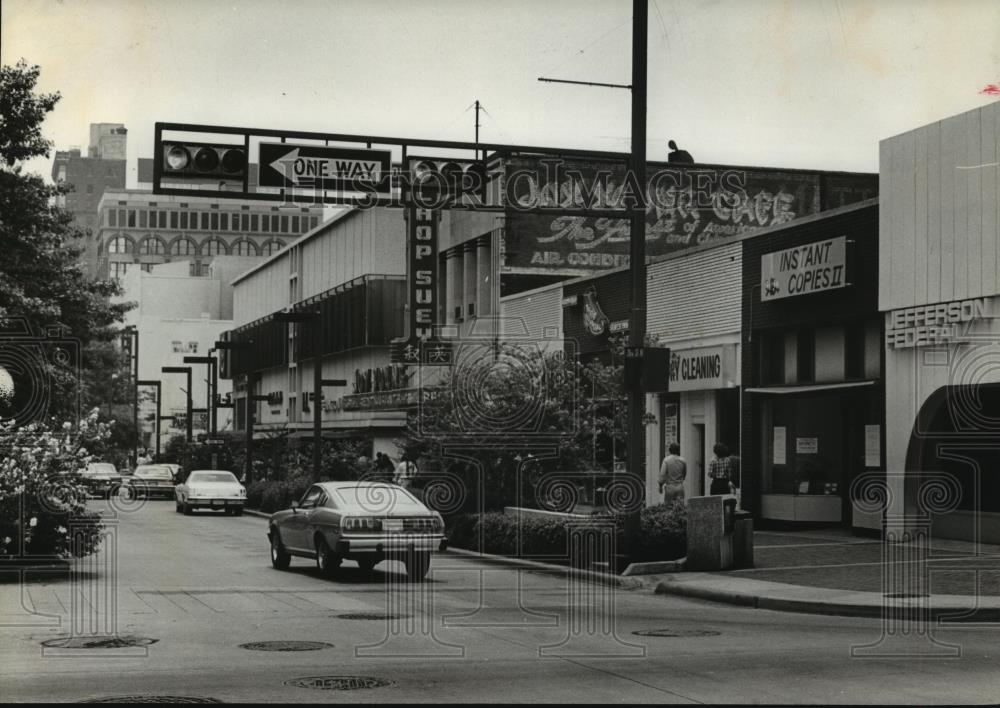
[{"x": 637, "y": 263}]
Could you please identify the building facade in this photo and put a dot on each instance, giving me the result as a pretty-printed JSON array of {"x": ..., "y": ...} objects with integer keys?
[
  {"x": 939, "y": 290},
  {"x": 88, "y": 176},
  {"x": 138, "y": 229},
  {"x": 812, "y": 370}
]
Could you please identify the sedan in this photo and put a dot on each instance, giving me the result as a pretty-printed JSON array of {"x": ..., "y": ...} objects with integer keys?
[
  {"x": 101, "y": 478},
  {"x": 366, "y": 522},
  {"x": 210, "y": 489},
  {"x": 148, "y": 481}
]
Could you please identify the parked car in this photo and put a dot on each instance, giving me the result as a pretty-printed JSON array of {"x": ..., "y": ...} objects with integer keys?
[
  {"x": 210, "y": 489},
  {"x": 101, "y": 479},
  {"x": 149, "y": 481},
  {"x": 366, "y": 522}
]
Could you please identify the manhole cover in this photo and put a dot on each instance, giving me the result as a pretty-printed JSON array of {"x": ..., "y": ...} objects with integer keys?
[
  {"x": 677, "y": 633},
  {"x": 371, "y": 616},
  {"x": 98, "y": 642},
  {"x": 339, "y": 683},
  {"x": 901, "y": 595},
  {"x": 285, "y": 646},
  {"x": 151, "y": 699}
]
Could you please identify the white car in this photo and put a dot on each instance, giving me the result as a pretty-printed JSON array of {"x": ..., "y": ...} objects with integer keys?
[
  {"x": 210, "y": 489},
  {"x": 366, "y": 522}
]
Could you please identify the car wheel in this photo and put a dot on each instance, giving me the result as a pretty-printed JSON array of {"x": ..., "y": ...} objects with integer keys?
[
  {"x": 417, "y": 565},
  {"x": 280, "y": 558},
  {"x": 367, "y": 565},
  {"x": 187, "y": 509},
  {"x": 326, "y": 560}
]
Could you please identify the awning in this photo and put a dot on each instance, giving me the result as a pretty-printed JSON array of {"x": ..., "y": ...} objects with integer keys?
[{"x": 810, "y": 388}]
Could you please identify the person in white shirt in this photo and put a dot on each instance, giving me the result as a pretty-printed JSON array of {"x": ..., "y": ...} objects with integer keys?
[{"x": 406, "y": 470}]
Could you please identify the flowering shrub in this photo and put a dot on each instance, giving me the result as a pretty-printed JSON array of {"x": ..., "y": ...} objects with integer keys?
[{"x": 42, "y": 500}]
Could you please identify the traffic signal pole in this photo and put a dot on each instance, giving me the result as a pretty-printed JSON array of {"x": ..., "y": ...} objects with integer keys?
[{"x": 637, "y": 263}]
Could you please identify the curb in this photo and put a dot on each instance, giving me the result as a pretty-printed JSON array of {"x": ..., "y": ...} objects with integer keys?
[
  {"x": 816, "y": 607},
  {"x": 552, "y": 569}
]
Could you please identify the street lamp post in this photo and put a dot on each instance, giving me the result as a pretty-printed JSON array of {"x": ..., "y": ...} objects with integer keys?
[
  {"x": 158, "y": 385},
  {"x": 212, "y": 387},
  {"x": 249, "y": 404},
  {"x": 186, "y": 370},
  {"x": 315, "y": 317}
]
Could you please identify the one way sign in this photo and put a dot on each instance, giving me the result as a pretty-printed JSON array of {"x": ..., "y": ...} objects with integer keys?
[{"x": 320, "y": 167}]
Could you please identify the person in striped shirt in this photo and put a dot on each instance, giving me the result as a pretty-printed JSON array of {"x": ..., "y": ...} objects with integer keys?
[{"x": 724, "y": 471}]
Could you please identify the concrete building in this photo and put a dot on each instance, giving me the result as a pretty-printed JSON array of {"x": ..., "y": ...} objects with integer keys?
[
  {"x": 138, "y": 229},
  {"x": 353, "y": 268},
  {"x": 939, "y": 290},
  {"x": 180, "y": 315},
  {"x": 102, "y": 168}
]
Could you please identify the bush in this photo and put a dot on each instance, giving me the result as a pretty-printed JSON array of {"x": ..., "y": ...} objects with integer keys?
[
  {"x": 662, "y": 534},
  {"x": 42, "y": 501}
]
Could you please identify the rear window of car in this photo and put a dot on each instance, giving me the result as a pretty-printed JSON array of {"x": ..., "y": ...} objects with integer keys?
[
  {"x": 153, "y": 473},
  {"x": 377, "y": 499},
  {"x": 101, "y": 468},
  {"x": 211, "y": 477}
]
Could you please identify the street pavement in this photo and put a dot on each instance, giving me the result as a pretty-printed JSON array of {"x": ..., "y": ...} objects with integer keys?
[{"x": 202, "y": 585}]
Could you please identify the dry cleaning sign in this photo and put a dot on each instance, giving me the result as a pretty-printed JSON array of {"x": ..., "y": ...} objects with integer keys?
[{"x": 805, "y": 269}]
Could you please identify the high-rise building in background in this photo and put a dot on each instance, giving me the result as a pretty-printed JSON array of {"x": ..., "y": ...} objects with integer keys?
[
  {"x": 88, "y": 176},
  {"x": 107, "y": 141}
]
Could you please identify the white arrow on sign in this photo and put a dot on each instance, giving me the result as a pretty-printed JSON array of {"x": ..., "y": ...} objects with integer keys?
[{"x": 293, "y": 168}]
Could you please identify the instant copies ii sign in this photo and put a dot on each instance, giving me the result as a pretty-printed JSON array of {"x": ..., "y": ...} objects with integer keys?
[{"x": 807, "y": 269}]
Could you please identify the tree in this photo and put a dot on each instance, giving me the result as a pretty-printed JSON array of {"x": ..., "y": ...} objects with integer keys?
[{"x": 42, "y": 282}]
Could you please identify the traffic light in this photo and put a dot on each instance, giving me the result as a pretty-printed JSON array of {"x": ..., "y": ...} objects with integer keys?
[
  {"x": 203, "y": 161},
  {"x": 440, "y": 177}
]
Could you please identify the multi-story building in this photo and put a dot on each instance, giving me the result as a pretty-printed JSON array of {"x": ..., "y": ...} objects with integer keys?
[
  {"x": 138, "y": 229},
  {"x": 102, "y": 168}
]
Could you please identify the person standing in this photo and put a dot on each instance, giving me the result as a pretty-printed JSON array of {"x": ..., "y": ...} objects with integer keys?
[
  {"x": 723, "y": 471},
  {"x": 406, "y": 470},
  {"x": 678, "y": 155},
  {"x": 673, "y": 472},
  {"x": 384, "y": 467}
]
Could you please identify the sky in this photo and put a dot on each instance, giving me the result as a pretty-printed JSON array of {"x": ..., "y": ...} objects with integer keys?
[{"x": 779, "y": 83}]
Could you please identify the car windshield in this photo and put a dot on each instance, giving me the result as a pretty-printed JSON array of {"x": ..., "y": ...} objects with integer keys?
[
  {"x": 381, "y": 499},
  {"x": 211, "y": 477},
  {"x": 153, "y": 472}
]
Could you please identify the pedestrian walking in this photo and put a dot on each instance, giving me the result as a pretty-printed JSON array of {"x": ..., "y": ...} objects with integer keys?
[
  {"x": 724, "y": 471},
  {"x": 673, "y": 472},
  {"x": 406, "y": 471},
  {"x": 384, "y": 467}
]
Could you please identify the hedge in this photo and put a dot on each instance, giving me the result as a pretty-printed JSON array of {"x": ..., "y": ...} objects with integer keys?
[{"x": 662, "y": 534}]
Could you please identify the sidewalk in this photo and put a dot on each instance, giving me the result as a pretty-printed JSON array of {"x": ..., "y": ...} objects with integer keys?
[{"x": 834, "y": 572}]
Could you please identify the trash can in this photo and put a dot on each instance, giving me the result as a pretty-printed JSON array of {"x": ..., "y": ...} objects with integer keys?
[{"x": 742, "y": 540}]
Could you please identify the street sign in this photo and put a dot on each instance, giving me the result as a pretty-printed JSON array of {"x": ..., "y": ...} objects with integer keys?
[{"x": 319, "y": 167}]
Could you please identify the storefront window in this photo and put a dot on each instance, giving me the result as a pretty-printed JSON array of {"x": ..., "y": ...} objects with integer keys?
[{"x": 804, "y": 446}]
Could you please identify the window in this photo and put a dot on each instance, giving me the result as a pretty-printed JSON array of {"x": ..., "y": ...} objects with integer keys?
[
  {"x": 244, "y": 248},
  {"x": 120, "y": 244},
  {"x": 204, "y": 221},
  {"x": 142, "y": 219},
  {"x": 213, "y": 247},
  {"x": 224, "y": 221},
  {"x": 806, "y": 355},
  {"x": 270, "y": 248},
  {"x": 117, "y": 270},
  {"x": 184, "y": 220},
  {"x": 254, "y": 223},
  {"x": 236, "y": 222},
  {"x": 151, "y": 246},
  {"x": 163, "y": 219},
  {"x": 313, "y": 220},
  {"x": 265, "y": 223},
  {"x": 146, "y": 267},
  {"x": 121, "y": 217},
  {"x": 295, "y": 224},
  {"x": 173, "y": 219},
  {"x": 274, "y": 223},
  {"x": 245, "y": 222},
  {"x": 112, "y": 218},
  {"x": 215, "y": 221},
  {"x": 131, "y": 218},
  {"x": 284, "y": 224},
  {"x": 183, "y": 247}
]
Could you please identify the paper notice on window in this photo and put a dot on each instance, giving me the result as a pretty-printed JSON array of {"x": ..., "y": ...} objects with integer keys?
[
  {"x": 807, "y": 446},
  {"x": 873, "y": 445},
  {"x": 780, "y": 441}
]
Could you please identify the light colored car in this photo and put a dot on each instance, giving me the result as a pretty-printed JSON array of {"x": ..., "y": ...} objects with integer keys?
[
  {"x": 210, "y": 489},
  {"x": 101, "y": 478},
  {"x": 366, "y": 522},
  {"x": 149, "y": 481}
]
